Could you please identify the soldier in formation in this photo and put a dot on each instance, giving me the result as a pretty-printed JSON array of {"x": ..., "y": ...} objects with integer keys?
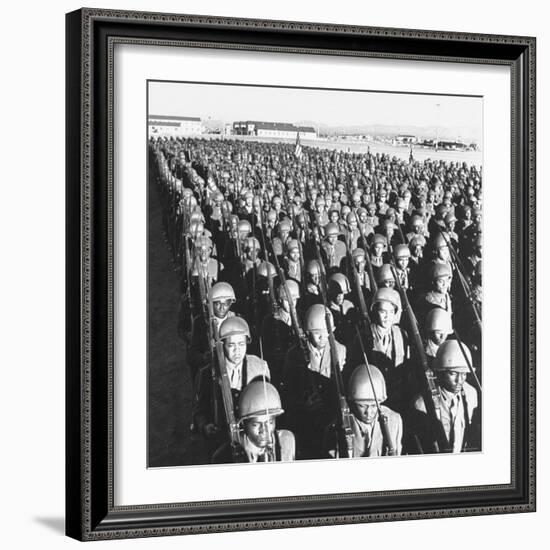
[{"x": 335, "y": 294}]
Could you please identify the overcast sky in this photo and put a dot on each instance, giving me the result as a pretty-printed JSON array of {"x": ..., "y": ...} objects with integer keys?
[{"x": 461, "y": 115}]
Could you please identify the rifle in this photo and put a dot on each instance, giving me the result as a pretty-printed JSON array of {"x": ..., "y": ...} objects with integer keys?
[
  {"x": 431, "y": 394},
  {"x": 212, "y": 338},
  {"x": 366, "y": 324},
  {"x": 457, "y": 264},
  {"x": 370, "y": 271},
  {"x": 227, "y": 397},
  {"x": 344, "y": 413}
]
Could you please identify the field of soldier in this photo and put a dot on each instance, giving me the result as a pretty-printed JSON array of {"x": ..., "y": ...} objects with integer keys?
[{"x": 330, "y": 301}]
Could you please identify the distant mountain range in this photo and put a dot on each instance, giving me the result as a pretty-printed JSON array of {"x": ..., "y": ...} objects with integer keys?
[{"x": 464, "y": 133}]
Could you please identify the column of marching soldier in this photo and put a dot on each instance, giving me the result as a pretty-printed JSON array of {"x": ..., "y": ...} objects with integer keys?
[{"x": 331, "y": 302}]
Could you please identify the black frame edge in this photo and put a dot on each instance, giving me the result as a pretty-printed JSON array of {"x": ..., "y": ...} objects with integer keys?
[
  {"x": 73, "y": 378},
  {"x": 106, "y": 523}
]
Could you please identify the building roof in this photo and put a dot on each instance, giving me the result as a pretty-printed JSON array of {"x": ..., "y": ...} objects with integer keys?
[
  {"x": 166, "y": 117},
  {"x": 275, "y": 126},
  {"x": 163, "y": 123}
]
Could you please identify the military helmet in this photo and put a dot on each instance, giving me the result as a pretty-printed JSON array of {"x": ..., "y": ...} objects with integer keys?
[
  {"x": 439, "y": 319},
  {"x": 196, "y": 217},
  {"x": 292, "y": 287},
  {"x": 416, "y": 220},
  {"x": 450, "y": 217},
  {"x": 196, "y": 228},
  {"x": 284, "y": 225},
  {"x": 222, "y": 291},
  {"x": 339, "y": 283},
  {"x": 244, "y": 226},
  {"x": 379, "y": 239},
  {"x": 358, "y": 253},
  {"x": 440, "y": 241},
  {"x": 315, "y": 318},
  {"x": 252, "y": 243},
  {"x": 313, "y": 267},
  {"x": 292, "y": 244},
  {"x": 450, "y": 356},
  {"x": 234, "y": 326},
  {"x": 360, "y": 385},
  {"x": 271, "y": 215},
  {"x": 386, "y": 295},
  {"x": 360, "y": 211},
  {"x": 440, "y": 270},
  {"x": 331, "y": 229},
  {"x": 351, "y": 217},
  {"x": 264, "y": 266},
  {"x": 203, "y": 241},
  {"x": 401, "y": 251},
  {"x": 385, "y": 273},
  {"x": 416, "y": 241},
  {"x": 259, "y": 399}
]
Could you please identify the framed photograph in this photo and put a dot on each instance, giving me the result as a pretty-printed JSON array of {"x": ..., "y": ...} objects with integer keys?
[{"x": 300, "y": 274}]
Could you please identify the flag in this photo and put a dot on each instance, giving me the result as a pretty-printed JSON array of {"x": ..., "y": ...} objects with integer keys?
[{"x": 298, "y": 148}]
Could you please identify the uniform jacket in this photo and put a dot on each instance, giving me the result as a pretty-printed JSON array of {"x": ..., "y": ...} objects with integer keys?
[
  {"x": 368, "y": 439},
  {"x": 252, "y": 368},
  {"x": 465, "y": 438},
  {"x": 284, "y": 448}
]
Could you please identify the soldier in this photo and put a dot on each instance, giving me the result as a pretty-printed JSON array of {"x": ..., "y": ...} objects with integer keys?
[
  {"x": 343, "y": 311},
  {"x": 440, "y": 276},
  {"x": 352, "y": 233},
  {"x": 241, "y": 370},
  {"x": 310, "y": 389},
  {"x": 199, "y": 352},
  {"x": 277, "y": 334},
  {"x": 438, "y": 327},
  {"x": 292, "y": 264},
  {"x": 458, "y": 402},
  {"x": 402, "y": 254},
  {"x": 372, "y": 219},
  {"x": 377, "y": 430},
  {"x": 312, "y": 294},
  {"x": 259, "y": 439},
  {"x": 282, "y": 234},
  {"x": 359, "y": 259},
  {"x": 417, "y": 229},
  {"x": 334, "y": 251},
  {"x": 387, "y": 345},
  {"x": 377, "y": 249}
]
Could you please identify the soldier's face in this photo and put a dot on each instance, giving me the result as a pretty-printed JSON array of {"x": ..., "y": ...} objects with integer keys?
[
  {"x": 378, "y": 248},
  {"x": 365, "y": 411},
  {"x": 452, "y": 380},
  {"x": 234, "y": 348},
  {"x": 385, "y": 313},
  {"x": 332, "y": 238},
  {"x": 221, "y": 308},
  {"x": 204, "y": 254},
  {"x": 387, "y": 283},
  {"x": 360, "y": 264},
  {"x": 294, "y": 254},
  {"x": 314, "y": 277},
  {"x": 442, "y": 284},
  {"x": 438, "y": 337},
  {"x": 252, "y": 254},
  {"x": 353, "y": 223},
  {"x": 260, "y": 431},
  {"x": 318, "y": 338},
  {"x": 402, "y": 263},
  {"x": 338, "y": 298},
  {"x": 363, "y": 217}
]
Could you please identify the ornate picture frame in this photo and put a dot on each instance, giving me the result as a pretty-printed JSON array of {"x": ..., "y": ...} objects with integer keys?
[{"x": 91, "y": 509}]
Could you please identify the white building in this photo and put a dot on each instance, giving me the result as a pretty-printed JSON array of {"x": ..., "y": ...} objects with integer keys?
[
  {"x": 162, "y": 125},
  {"x": 280, "y": 130}
]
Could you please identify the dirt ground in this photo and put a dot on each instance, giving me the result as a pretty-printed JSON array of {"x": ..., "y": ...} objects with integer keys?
[{"x": 170, "y": 442}]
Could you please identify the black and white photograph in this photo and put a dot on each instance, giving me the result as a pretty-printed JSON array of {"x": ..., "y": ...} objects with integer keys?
[{"x": 314, "y": 273}]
